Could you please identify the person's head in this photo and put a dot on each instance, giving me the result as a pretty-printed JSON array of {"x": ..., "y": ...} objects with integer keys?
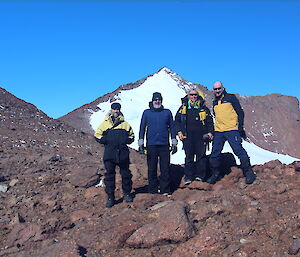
[
  {"x": 218, "y": 88},
  {"x": 157, "y": 100},
  {"x": 115, "y": 109},
  {"x": 193, "y": 95}
]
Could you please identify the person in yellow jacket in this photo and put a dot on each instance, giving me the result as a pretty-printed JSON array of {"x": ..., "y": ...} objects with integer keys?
[
  {"x": 115, "y": 133},
  {"x": 229, "y": 126}
]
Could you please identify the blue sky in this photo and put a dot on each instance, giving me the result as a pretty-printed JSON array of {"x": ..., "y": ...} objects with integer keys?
[{"x": 61, "y": 55}]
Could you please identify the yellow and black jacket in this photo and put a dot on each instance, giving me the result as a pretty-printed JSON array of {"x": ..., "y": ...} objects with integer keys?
[
  {"x": 205, "y": 118},
  {"x": 115, "y": 135},
  {"x": 228, "y": 112}
]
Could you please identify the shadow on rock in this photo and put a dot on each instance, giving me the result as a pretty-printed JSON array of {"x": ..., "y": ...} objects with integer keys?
[{"x": 176, "y": 173}]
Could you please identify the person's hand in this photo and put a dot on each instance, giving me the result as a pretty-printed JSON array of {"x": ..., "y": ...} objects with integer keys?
[
  {"x": 141, "y": 149},
  {"x": 211, "y": 136},
  {"x": 174, "y": 143},
  {"x": 207, "y": 137},
  {"x": 173, "y": 149},
  {"x": 181, "y": 136},
  {"x": 243, "y": 133}
]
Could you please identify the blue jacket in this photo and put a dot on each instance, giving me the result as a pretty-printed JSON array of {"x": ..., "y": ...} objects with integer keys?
[{"x": 159, "y": 124}]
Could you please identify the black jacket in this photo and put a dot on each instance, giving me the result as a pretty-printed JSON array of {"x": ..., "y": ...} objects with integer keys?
[
  {"x": 115, "y": 135},
  {"x": 206, "y": 124}
]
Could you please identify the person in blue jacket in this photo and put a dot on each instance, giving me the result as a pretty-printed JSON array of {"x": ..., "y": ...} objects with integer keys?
[{"x": 157, "y": 122}]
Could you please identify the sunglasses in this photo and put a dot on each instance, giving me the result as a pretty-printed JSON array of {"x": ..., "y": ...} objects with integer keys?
[
  {"x": 157, "y": 99},
  {"x": 217, "y": 88},
  {"x": 193, "y": 94}
]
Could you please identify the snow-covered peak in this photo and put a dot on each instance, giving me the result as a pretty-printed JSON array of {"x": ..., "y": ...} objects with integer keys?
[{"x": 173, "y": 88}]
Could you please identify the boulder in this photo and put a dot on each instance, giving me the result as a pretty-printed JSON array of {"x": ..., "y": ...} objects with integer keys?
[
  {"x": 84, "y": 177},
  {"x": 172, "y": 225}
]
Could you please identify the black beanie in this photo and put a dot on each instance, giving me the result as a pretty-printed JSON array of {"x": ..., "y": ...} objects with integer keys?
[
  {"x": 116, "y": 106},
  {"x": 157, "y": 95}
]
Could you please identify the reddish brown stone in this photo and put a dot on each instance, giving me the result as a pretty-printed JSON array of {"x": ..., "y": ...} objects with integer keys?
[
  {"x": 172, "y": 225},
  {"x": 207, "y": 242},
  {"x": 78, "y": 215}
]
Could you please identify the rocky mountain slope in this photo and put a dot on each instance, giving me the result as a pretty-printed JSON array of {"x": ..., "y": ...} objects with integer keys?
[
  {"x": 272, "y": 122},
  {"x": 51, "y": 207}
]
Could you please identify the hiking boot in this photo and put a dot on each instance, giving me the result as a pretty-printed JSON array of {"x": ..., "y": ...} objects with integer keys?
[
  {"x": 198, "y": 179},
  {"x": 250, "y": 176},
  {"x": 128, "y": 198},
  {"x": 110, "y": 202},
  {"x": 213, "y": 179},
  {"x": 187, "y": 181}
]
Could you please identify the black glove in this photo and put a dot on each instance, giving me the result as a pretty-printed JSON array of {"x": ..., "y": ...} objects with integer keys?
[
  {"x": 141, "y": 149},
  {"x": 101, "y": 140},
  {"x": 173, "y": 149},
  {"x": 243, "y": 133}
]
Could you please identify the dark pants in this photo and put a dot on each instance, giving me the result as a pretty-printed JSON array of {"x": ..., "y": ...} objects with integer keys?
[
  {"x": 235, "y": 141},
  {"x": 194, "y": 146},
  {"x": 161, "y": 152},
  {"x": 110, "y": 177}
]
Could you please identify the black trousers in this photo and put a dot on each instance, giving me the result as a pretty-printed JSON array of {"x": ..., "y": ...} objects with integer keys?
[
  {"x": 110, "y": 177},
  {"x": 161, "y": 153},
  {"x": 194, "y": 146}
]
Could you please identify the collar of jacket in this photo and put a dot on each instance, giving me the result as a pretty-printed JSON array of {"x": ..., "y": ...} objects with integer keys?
[
  {"x": 119, "y": 119},
  {"x": 195, "y": 105},
  {"x": 185, "y": 100}
]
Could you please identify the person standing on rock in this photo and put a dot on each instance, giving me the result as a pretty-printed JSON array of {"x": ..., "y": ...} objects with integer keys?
[
  {"x": 159, "y": 124},
  {"x": 115, "y": 133},
  {"x": 229, "y": 126},
  {"x": 194, "y": 126}
]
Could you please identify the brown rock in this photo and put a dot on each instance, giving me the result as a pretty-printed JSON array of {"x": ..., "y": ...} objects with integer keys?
[
  {"x": 78, "y": 215},
  {"x": 22, "y": 233},
  {"x": 208, "y": 241},
  {"x": 289, "y": 171},
  {"x": 172, "y": 225},
  {"x": 272, "y": 164},
  {"x": 92, "y": 192},
  {"x": 60, "y": 249},
  {"x": 200, "y": 186},
  {"x": 112, "y": 233},
  {"x": 84, "y": 177},
  {"x": 295, "y": 247},
  {"x": 297, "y": 166}
]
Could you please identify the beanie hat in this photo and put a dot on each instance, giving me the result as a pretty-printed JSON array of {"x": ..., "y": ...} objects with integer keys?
[
  {"x": 116, "y": 106},
  {"x": 156, "y": 95}
]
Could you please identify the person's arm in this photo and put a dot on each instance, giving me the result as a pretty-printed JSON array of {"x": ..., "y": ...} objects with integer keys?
[
  {"x": 178, "y": 124},
  {"x": 99, "y": 134},
  {"x": 143, "y": 125},
  {"x": 142, "y": 131},
  {"x": 239, "y": 111},
  {"x": 172, "y": 126},
  {"x": 172, "y": 129},
  {"x": 130, "y": 135},
  {"x": 209, "y": 121}
]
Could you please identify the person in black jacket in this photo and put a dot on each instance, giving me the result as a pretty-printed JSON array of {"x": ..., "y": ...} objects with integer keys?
[
  {"x": 159, "y": 124},
  {"x": 115, "y": 134},
  {"x": 194, "y": 126}
]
